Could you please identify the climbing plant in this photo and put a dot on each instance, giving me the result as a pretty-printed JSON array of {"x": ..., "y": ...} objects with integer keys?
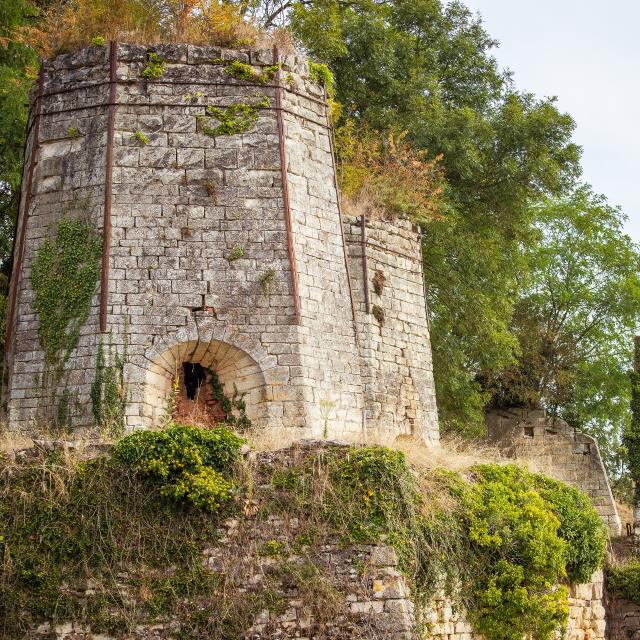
[
  {"x": 234, "y": 119},
  {"x": 631, "y": 437},
  {"x": 242, "y": 71},
  {"x": 109, "y": 391},
  {"x": 64, "y": 276},
  {"x": 229, "y": 405}
]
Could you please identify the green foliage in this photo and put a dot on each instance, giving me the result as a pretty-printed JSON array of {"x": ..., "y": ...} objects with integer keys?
[
  {"x": 624, "y": 581},
  {"x": 234, "y": 119},
  {"x": 234, "y": 407},
  {"x": 515, "y": 534},
  {"x": 322, "y": 75},
  {"x": 72, "y": 132},
  {"x": 98, "y": 523},
  {"x": 64, "y": 276},
  {"x": 192, "y": 464},
  {"x": 109, "y": 391},
  {"x": 154, "y": 68},
  {"x": 141, "y": 137},
  {"x": 580, "y": 527},
  {"x": 236, "y": 253},
  {"x": 631, "y": 435},
  {"x": 267, "y": 279},
  {"x": 241, "y": 71},
  {"x": 575, "y": 319},
  {"x": 98, "y": 41}
]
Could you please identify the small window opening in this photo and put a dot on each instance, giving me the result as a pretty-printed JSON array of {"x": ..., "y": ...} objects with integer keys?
[
  {"x": 194, "y": 377},
  {"x": 528, "y": 432}
]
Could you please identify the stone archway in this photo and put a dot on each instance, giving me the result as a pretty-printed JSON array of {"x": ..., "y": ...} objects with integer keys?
[{"x": 234, "y": 367}]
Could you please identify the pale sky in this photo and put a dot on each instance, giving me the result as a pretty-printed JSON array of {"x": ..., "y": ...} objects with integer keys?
[{"x": 587, "y": 54}]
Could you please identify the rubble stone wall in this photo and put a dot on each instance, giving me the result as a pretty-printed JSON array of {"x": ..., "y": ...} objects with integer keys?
[
  {"x": 558, "y": 450},
  {"x": 623, "y": 619}
]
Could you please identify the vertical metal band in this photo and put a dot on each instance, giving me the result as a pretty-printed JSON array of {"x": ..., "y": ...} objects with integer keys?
[
  {"x": 365, "y": 265},
  {"x": 424, "y": 282},
  {"x": 108, "y": 186},
  {"x": 285, "y": 191},
  {"x": 24, "y": 218},
  {"x": 356, "y": 331}
]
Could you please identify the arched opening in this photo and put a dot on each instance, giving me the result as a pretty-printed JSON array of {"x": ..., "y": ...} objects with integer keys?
[{"x": 204, "y": 383}]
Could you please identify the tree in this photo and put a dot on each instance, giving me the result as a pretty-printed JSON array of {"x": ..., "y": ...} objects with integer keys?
[
  {"x": 18, "y": 69},
  {"x": 631, "y": 438},
  {"x": 426, "y": 69},
  {"x": 575, "y": 317}
]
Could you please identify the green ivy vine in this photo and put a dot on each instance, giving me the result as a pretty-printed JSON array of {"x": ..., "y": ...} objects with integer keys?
[
  {"x": 64, "y": 275},
  {"x": 242, "y": 71},
  {"x": 230, "y": 404},
  {"x": 108, "y": 390},
  {"x": 234, "y": 119}
]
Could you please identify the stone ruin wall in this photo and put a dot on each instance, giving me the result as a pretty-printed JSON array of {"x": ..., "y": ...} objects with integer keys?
[
  {"x": 623, "y": 619},
  {"x": 385, "y": 259},
  {"x": 374, "y": 599},
  {"x": 558, "y": 450},
  {"x": 225, "y": 251}
]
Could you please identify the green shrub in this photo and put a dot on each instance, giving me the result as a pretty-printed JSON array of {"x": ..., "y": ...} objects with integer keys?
[
  {"x": 624, "y": 581},
  {"x": 193, "y": 464},
  {"x": 521, "y": 557},
  {"x": 580, "y": 527},
  {"x": 232, "y": 120},
  {"x": 155, "y": 66},
  {"x": 241, "y": 71}
]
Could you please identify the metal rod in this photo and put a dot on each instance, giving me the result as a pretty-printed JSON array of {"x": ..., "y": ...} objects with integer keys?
[
  {"x": 175, "y": 104},
  {"x": 285, "y": 192},
  {"x": 108, "y": 187},
  {"x": 17, "y": 267},
  {"x": 204, "y": 83},
  {"x": 356, "y": 331},
  {"x": 365, "y": 266}
]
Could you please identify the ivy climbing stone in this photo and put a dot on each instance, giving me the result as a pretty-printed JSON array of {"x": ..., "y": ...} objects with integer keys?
[
  {"x": 64, "y": 276},
  {"x": 234, "y": 119}
]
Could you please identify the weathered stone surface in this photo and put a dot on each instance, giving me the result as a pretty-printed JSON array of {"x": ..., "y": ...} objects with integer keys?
[
  {"x": 560, "y": 451},
  {"x": 201, "y": 260}
]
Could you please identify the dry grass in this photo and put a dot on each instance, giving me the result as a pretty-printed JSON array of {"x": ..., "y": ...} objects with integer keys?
[{"x": 69, "y": 26}]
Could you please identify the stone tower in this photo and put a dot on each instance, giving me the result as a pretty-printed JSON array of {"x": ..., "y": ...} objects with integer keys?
[{"x": 208, "y": 178}]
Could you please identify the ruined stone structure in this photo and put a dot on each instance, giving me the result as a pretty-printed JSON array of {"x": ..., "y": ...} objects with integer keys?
[
  {"x": 558, "y": 450},
  {"x": 223, "y": 246}
]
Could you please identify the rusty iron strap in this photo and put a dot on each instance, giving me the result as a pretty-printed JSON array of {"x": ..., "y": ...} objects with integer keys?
[
  {"x": 356, "y": 331},
  {"x": 108, "y": 186},
  {"x": 285, "y": 192},
  {"x": 365, "y": 267},
  {"x": 17, "y": 267},
  {"x": 202, "y": 83}
]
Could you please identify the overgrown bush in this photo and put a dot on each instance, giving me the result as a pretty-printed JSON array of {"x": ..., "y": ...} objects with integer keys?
[
  {"x": 580, "y": 527},
  {"x": 192, "y": 464},
  {"x": 383, "y": 175},
  {"x": 67, "y": 26},
  {"x": 624, "y": 581},
  {"x": 521, "y": 557}
]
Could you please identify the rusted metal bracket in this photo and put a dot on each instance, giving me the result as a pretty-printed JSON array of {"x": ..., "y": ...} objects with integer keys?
[
  {"x": 108, "y": 186},
  {"x": 285, "y": 192},
  {"x": 17, "y": 266}
]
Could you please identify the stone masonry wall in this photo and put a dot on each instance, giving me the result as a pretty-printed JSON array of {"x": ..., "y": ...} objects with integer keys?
[
  {"x": 623, "y": 619},
  {"x": 586, "y": 615},
  {"x": 558, "y": 450},
  {"x": 201, "y": 267},
  {"x": 395, "y": 348},
  {"x": 369, "y": 596}
]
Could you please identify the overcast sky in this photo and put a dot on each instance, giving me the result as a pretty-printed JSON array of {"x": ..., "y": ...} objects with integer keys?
[{"x": 587, "y": 54}]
